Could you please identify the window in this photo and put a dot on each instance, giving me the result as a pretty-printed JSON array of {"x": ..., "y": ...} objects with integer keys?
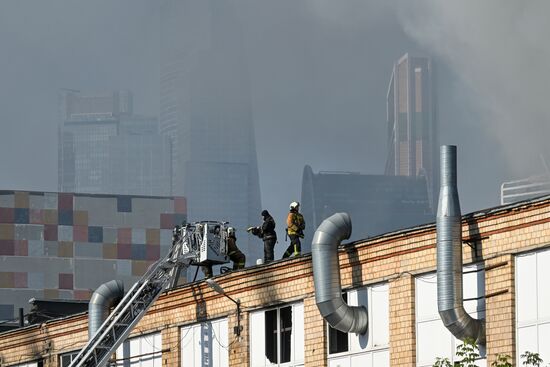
[
  {"x": 277, "y": 336},
  {"x": 66, "y": 359},
  {"x": 371, "y": 349},
  {"x": 141, "y": 351},
  {"x": 338, "y": 340},
  {"x": 30, "y": 364},
  {"x": 533, "y": 304},
  {"x": 432, "y": 338},
  {"x": 205, "y": 344}
]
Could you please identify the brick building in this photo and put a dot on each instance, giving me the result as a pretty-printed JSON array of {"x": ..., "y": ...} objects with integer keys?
[
  {"x": 505, "y": 252},
  {"x": 64, "y": 245}
]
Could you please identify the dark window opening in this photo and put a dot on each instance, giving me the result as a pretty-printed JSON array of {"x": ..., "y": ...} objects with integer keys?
[
  {"x": 286, "y": 333},
  {"x": 278, "y": 335},
  {"x": 271, "y": 335},
  {"x": 338, "y": 340}
]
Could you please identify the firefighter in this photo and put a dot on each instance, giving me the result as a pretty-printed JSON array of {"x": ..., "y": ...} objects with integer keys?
[
  {"x": 267, "y": 233},
  {"x": 235, "y": 255},
  {"x": 295, "y": 230},
  {"x": 207, "y": 270},
  {"x": 176, "y": 234}
]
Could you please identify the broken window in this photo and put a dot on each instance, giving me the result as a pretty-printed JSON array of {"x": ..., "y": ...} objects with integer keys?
[
  {"x": 278, "y": 334},
  {"x": 271, "y": 335}
]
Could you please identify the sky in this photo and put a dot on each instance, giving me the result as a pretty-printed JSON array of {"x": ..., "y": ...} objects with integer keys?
[{"x": 318, "y": 73}]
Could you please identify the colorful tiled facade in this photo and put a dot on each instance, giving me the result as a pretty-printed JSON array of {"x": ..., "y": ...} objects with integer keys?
[{"x": 64, "y": 245}]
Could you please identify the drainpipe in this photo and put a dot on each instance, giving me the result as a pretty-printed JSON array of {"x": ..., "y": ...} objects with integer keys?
[
  {"x": 449, "y": 255},
  {"x": 326, "y": 276},
  {"x": 104, "y": 297}
]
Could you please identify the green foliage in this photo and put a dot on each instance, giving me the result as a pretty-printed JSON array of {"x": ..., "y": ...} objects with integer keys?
[
  {"x": 442, "y": 362},
  {"x": 502, "y": 361},
  {"x": 468, "y": 352},
  {"x": 531, "y": 359}
]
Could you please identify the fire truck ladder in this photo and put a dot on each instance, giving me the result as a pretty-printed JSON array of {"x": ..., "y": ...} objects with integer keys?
[{"x": 132, "y": 308}]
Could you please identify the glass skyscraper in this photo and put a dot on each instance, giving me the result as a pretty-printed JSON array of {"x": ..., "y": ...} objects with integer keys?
[
  {"x": 206, "y": 113},
  {"x": 105, "y": 148}
]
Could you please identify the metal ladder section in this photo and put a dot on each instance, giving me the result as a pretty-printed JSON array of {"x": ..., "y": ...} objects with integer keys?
[{"x": 132, "y": 308}]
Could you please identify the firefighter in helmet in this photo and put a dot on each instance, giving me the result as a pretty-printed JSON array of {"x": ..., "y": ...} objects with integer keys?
[{"x": 295, "y": 230}]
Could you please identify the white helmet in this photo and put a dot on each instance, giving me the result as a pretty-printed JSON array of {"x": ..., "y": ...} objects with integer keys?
[
  {"x": 230, "y": 231},
  {"x": 294, "y": 205}
]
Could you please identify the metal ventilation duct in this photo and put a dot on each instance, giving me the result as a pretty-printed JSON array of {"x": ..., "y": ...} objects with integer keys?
[
  {"x": 449, "y": 255},
  {"x": 326, "y": 276},
  {"x": 104, "y": 297}
]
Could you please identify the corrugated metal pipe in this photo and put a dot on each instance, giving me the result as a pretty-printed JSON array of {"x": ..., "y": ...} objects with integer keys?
[
  {"x": 326, "y": 276},
  {"x": 105, "y": 296},
  {"x": 449, "y": 255}
]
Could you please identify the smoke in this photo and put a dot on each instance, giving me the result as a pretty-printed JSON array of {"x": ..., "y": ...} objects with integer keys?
[{"x": 500, "y": 53}]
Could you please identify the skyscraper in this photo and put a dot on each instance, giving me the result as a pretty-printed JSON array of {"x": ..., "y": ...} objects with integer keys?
[
  {"x": 105, "y": 148},
  {"x": 139, "y": 159},
  {"x": 206, "y": 112},
  {"x": 412, "y": 122}
]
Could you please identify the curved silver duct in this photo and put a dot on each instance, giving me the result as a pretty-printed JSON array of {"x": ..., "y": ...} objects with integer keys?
[
  {"x": 326, "y": 276},
  {"x": 104, "y": 297},
  {"x": 449, "y": 255}
]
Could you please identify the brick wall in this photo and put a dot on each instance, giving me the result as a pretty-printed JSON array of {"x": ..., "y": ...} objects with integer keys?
[{"x": 395, "y": 258}]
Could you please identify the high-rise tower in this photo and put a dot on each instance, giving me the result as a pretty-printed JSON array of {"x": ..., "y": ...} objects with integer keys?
[
  {"x": 105, "y": 149},
  {"x": 206, "y": 112},
  {"x": 412, "y": 122}
]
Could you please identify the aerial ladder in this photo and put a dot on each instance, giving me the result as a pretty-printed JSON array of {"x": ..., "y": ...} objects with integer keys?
[{"x": 200, "y": 243}]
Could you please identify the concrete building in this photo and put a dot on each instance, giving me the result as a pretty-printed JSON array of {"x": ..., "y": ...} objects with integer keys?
[
  {"x": 505, "y": 254},
  {"x": 206, "y": 113},
  {"x": 105, "y": 148},
  {"x": 377, "y": 204},
  {"x": 412, "y": 122},
  {"x": 64, "y": 245}
]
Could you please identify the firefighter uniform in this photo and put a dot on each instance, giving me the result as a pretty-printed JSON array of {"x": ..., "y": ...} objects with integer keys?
[
  {"x": 235, "y": 255},
  {"x": 295, "y": 229}
]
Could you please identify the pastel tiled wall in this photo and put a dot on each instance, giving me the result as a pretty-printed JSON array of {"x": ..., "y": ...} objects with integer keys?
[{"x": 64, "y": 245}]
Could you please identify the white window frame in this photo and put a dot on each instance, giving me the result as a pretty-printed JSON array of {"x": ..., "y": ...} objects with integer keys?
[
  {"x": 478, "y": 312},
  {"x": 29, "y": 364},
  {"x": 223, "y": 343},
  {"x": 72, "y": 355},
  {"x": 135, "y": 361},
  {"x": 296, "y": 354},
  {"x": 369, "y": 349},
  {"x": 538, "y": 321}
]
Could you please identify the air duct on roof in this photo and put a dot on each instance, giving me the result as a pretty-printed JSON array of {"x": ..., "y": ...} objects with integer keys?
[
  {"x": 326, "y": 276},
  {"x": 104, "y": 297},
  {"x": 449, "y": 255}
]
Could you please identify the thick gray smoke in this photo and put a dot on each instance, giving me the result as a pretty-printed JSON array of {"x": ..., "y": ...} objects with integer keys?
[
  {"x": 318, "y": 73},
  {"x": 500, "y": 52}
]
